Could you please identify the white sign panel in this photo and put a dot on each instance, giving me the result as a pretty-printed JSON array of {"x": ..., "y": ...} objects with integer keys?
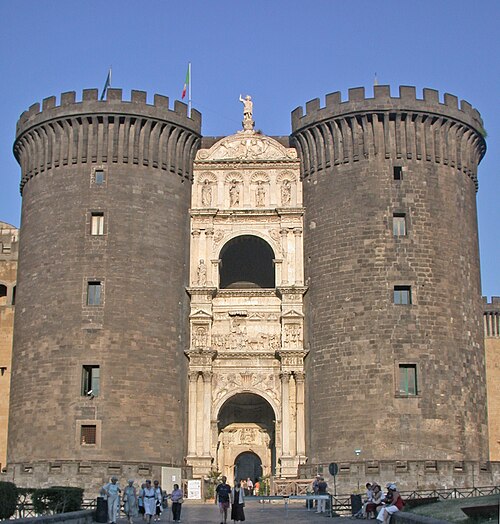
[{"x": 194, "y": 489}]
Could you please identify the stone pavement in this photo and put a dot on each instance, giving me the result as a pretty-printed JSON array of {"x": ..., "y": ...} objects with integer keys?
[{"x": 255, "y": 513}]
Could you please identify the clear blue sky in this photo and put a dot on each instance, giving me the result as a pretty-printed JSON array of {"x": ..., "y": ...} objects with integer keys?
[{"x": 283, "y": 53}]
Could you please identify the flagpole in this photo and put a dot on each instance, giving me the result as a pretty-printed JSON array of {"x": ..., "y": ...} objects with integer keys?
[{"x": 189, "y": 91}]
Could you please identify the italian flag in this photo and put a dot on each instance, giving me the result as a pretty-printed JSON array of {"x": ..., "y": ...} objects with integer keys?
[{"x": 186, "y": 83}]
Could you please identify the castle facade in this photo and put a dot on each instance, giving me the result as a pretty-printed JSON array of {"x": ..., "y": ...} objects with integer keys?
[{"x": 251, "y": 304}]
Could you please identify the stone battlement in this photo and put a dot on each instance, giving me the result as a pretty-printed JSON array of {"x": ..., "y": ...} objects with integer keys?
[
  {"x": 114, "y": 103},
  {"x": 382, "y": 100},
  {"x": 116, "y": 130}
]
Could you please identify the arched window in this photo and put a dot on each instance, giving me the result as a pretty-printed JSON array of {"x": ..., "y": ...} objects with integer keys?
[{"x": 247, "y": 262}]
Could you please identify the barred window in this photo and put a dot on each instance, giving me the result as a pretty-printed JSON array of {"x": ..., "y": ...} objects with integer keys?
[{"x": 88, "y": 434}]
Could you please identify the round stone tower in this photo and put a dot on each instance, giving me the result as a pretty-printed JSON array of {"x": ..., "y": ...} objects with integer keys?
[
  {"x": 392, "y": 264},
  {"x": 98, "y": 382}
]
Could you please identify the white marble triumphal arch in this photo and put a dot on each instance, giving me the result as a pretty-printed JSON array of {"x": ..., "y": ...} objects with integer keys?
[{"x": 246, "y": 354}]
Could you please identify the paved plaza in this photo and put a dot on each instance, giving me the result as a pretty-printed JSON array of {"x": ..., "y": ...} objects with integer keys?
[{"x": 255, "y": 513}]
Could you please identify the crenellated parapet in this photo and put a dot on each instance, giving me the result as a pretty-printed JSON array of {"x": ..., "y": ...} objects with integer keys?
[
  {"x": 400, "y": 128},
  {"x": 107, "y": 131}
]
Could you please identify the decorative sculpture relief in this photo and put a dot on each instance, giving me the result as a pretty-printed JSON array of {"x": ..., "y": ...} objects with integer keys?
[
  {"x": 201, "y": 273},
  {"x": 293, "y": 338},
  {"x": 234, "y": 194},
  {"x": 224, "y": 383},
  {"x": 206, "y": 193},
  {"x": 200, "y": 337},
  {"x": 260, "y": 195},
  {"x": 286, "y": 192}
]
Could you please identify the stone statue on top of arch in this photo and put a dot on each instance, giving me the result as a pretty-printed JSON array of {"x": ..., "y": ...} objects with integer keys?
[{"x": 248, "y": 123}]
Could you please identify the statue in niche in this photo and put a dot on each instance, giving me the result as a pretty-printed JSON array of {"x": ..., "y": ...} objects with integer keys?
[
  {"x": 286, "y": 192},
  {"x": 234, "y": 194},
  {"x": 200, "y": 337},
  {"x": 206, "y": 193},
  {"x": 260, "y": 195},
  {"x": 248, "y": 122},
  {"x": 201, "y": 273}
]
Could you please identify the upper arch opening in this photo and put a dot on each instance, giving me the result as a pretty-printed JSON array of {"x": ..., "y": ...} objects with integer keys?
[{"x": 247, "y": 262}]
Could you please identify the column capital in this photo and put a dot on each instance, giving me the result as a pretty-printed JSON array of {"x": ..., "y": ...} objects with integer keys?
[
  {"x": 196, "y": 232},
  {"x": 207, "y": 376},
  {"x": 209, "y": 232},
  {"x": 297, "y": 231},
  {"x": 299, "y": 376},
  {"x": 285, "y": 376},
  {"x": 193, "y": 376}
]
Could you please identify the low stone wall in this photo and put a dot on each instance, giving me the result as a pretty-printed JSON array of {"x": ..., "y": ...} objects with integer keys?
[
  {"x": 405, "y": 517},
  {"x": 73, "y": 517}
]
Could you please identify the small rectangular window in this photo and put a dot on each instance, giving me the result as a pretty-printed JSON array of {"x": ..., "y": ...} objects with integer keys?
[
  {"x": 402, "y": 295},
  {"x": 408, "y": 379},
  {"x": 88, "y": 434},
  {"x": 97, "y": 224},
  {"x": 90, "y": 381},
  {"x": 94, "y": 293},
  {"x": 99, "y": 177},
  {"x": 399, "y": 224},
  {"x": 398, "y": 173}
]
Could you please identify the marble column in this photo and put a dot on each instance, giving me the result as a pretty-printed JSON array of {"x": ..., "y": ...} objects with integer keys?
[
  {"x": 285, "y": 412},
  {"x": 207, "y": 415},
  {"x": 195, "y": 257},
  {"x": 209, "y": 235},
  {"x": 193, "y": 377},
  {"x": 301, "y": 441},
  {"x": 284, "y": 246},
  {"x": 298, "y": 257}
]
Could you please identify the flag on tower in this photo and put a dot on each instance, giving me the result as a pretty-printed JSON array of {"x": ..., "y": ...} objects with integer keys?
[
  {"x": 106, "y": 84},
  {"x": 186, "y": 83}
]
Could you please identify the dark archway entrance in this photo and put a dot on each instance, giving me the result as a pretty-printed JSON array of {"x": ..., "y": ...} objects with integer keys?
[
  {"x": 247, "y": 465},
  {"x": 247, "y": 262},
  {"x": 246, "y": 437}
]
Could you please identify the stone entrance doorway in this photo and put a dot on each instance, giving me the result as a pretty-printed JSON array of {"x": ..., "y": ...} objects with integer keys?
[
  {"x": 246, "y": 437},
  {"x": 248, "y": 465}
]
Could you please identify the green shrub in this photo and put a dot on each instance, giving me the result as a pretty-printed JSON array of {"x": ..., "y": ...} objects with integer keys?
[
  {"x": 8, "y": 500},
  {"x": 57, "y": 499}
]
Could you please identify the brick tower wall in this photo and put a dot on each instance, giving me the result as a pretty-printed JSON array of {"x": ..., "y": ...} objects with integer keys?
[
  {"x": 358, "y": 337},
  {"x": 137, "y": 334}
]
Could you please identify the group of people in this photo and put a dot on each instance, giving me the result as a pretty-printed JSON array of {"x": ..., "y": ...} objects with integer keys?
[
  {"x": 149, "y": 501},
  {"x": 234, "y": 498},
  {"x": 319, "y": 488},
  {"x": 379, "y": 505},
  {"x": 250, "y": 488}
]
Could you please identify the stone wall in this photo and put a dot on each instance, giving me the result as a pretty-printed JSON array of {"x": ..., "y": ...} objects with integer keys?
[
  {"x": 8, "y": 270},
  {"x": 365, "y": 162},
  {"x": 492, "y": 348},
  {"x": 409, "y": 475}
]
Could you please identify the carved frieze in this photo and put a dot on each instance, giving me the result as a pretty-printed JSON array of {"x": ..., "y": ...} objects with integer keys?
[{"x": 224, "y": 383}]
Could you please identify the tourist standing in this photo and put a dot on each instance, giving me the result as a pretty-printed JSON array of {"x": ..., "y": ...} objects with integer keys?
[
  {"x": 112, "y": 491},
  {"x": 322, "y": 486},
  {"x": 140, "y": 501},
  {"x": 158, "y": 500},
  {"x": 149, "y": 501},
  {"x": 130, "y": 500},
  {"x": 238, "y": 502},
  {"x": 177, "y": 499},
  {"x": 222, "y": 496}
]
